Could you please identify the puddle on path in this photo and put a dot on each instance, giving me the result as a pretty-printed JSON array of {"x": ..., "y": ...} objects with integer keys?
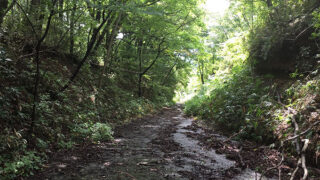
[
  {"x": 133, "y": 155},
  {"x": 212, "y": 165}
]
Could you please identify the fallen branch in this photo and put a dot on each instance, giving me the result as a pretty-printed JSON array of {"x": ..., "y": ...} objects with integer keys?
[
  {"x": 295, "y": 170},
  {"x": 302, "y": 162},
  {"x": 303, "y": 158},
  {"x": 303, "y": 133},
  {"x": 279, "y": 173},
  {"x": 232, "y": 136},
  {"x": 301, "y": 152},
  {"x": 298, "y": 149}
]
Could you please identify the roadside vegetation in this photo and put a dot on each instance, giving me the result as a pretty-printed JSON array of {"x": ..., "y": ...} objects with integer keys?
[
  {"x": 263, "y": 83},
  {"x": 72, "y": 71}
]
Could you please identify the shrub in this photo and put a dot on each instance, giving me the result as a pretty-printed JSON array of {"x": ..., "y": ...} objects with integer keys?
[
  {"x": 20, "y": 165},
  {"x": 95, "y": 132}
]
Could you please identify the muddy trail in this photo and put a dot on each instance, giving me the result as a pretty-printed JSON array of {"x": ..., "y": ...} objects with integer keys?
[{"x": 167, "y": 145}]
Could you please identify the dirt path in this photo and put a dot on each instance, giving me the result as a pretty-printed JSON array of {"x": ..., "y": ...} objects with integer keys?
[{"x": 164, "y": 146}]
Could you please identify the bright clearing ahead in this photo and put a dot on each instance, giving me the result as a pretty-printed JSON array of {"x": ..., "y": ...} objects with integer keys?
[{"x": 216, "y": 6}]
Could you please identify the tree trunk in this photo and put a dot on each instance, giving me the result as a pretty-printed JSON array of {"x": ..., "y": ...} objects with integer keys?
[
  {"x": 84, "y": 59},
  {"x": 139, "y": 52},
  {"x": 3, "y": 7},
  {"x": 72, "y": 22},
  {"x": 109, "y": 43},
  {"x": 36, "y": 100},
  {"x": 61, "y": 9},
  {"x": 269, "y": 3},
  {"x": 202, "y": 78},
  {"x": 105, "y": 32},
  {"x": 201, "y": 71},
  {"x": 140, "y": 85},
  {"x": 141, "y": 73},
  {"x": 168, "y": 74}
]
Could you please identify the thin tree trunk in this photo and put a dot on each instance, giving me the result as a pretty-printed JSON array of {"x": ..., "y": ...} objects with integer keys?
[
  {"x": 61, "y": 9},
  {"x": 201, "y": 71},
  {"x": 109, "y": 44},
  {"x": 149, "y": 67},
  {"x": 36, "y": 100},
  {"x": 140, "y": 44},
  {"x": 140, "y": 85},
  {"x": 3, "y": 7},
  {"x": 168, "y": 74},
  {"x": 104, "y": 32},
  {"x": 84, "y": 59},
  {"x": 202, "y": 79},
  {"x": 72, "y": 22},
  {"x": 269, "y": 3}
]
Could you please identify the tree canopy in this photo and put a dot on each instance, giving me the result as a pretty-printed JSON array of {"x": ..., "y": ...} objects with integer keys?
[{"x": 72, "y": 70}]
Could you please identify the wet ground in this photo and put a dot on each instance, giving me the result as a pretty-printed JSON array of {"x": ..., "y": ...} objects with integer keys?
[{"x": 167, "y": 145}]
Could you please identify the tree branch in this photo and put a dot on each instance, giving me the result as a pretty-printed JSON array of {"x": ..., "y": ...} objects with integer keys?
[
  {"x": 303, "y": 133},
  {"x": 156, "y": 58},
  {"x": 84, "y": 59},
  {"x": 8, "y": 9}
]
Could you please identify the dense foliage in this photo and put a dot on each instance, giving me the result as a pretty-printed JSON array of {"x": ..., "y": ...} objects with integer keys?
[
  {"x": 265, "y": 72},
  {"x": 72, "y": 70}
]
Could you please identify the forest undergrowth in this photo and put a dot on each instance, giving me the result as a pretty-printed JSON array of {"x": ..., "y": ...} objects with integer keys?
[
  {"x": 71, "y": 71},
  {"x": 263, "y": 82}
]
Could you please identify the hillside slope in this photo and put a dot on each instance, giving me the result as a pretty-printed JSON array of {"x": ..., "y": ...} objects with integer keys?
[{"x": 264, "y": 82}]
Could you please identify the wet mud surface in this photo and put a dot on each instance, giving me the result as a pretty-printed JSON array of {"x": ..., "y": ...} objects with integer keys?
[{"x": 167, "y": 145}]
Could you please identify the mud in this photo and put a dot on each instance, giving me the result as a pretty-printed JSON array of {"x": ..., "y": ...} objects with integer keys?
[{"x": 164, "y": 146}]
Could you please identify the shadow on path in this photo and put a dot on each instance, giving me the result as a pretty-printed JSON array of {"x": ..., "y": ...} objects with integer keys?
[{"x": 164, "y": 146}]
